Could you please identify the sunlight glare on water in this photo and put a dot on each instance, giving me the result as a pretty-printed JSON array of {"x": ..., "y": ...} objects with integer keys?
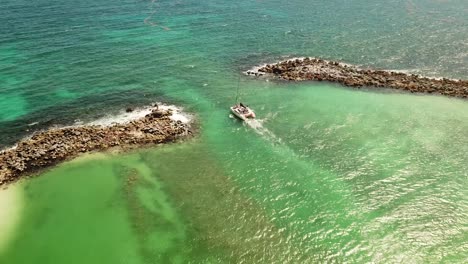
[{"x": 325, "y": 174}]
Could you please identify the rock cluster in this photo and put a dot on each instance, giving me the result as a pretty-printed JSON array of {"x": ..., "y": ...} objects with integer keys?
[
  {"x": 322, "y": 70},
  {"x": 50, "y": 147}
]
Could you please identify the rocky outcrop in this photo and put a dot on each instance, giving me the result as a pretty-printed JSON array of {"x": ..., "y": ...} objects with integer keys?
[
  {"x": 47, "y": 148},
  {"x": 332, "y": 71}
]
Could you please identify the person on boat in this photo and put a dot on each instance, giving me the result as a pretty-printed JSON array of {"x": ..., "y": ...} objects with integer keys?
[
  {"x": 243, "y": 108},
  {"x": 240, "y": 107}
]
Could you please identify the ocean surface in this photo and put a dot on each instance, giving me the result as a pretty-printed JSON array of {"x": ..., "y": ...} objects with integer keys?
[{"x": 327, "y": 174}]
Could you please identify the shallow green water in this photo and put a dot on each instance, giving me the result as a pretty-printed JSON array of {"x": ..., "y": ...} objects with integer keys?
[{"x": 327, "y": 174}]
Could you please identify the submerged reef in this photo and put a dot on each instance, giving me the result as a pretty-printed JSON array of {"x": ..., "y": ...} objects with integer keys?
[
  {"x": 322, "y": 70},
  {"x": 52, "y": 146}
]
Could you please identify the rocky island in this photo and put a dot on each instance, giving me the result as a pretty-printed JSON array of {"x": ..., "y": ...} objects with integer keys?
[
  {"x": 50, "y": 147},
  {"x": 322, "y": 70}
]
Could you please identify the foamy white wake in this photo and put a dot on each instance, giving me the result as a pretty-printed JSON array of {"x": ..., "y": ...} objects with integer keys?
[{"x": 257, "y": 126}]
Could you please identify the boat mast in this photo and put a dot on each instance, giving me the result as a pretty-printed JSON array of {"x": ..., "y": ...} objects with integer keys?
[{"x": 238, "y": 84}]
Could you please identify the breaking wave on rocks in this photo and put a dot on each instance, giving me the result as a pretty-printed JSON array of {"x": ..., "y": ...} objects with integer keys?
[
  {"x": 316, "y": 69},
  {"x": 122, "y": 117},
  {"x": 255, "y": 70},
  {"x": 125, "y": 117},
  {"x": 152, "y": 125}
]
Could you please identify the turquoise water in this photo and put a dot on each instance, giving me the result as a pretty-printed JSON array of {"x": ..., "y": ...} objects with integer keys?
[{"x": 327, "y": 174}]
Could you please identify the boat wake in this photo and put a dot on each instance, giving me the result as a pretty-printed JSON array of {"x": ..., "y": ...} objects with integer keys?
[{"x": 257, "y": 126}]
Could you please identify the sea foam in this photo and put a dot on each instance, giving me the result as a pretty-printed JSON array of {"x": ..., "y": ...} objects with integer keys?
[
  {"x": 122, "y": 117},
  {"x": 126, "y": 117}
]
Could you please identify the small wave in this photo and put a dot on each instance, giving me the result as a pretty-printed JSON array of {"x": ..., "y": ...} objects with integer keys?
[
  {"x": 121, "y": 118},
  {"x": 177, "y": 113},
  {"x": 8, "y": 148},
  {"x": 33, "y": 124}
]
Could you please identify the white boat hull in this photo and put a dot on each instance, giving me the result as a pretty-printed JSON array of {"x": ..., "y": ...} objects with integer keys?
[{"x": 242, "y": 116}]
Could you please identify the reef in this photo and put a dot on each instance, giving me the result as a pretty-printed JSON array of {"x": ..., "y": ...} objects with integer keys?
[
  {"x": 315, "y": 69},
  {"x": 49, "y": 147}
]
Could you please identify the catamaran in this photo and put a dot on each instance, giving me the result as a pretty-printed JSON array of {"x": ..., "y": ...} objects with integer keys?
[
  {"x": 239, "y": 110},
  {"x": 242, "y": 112}
]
